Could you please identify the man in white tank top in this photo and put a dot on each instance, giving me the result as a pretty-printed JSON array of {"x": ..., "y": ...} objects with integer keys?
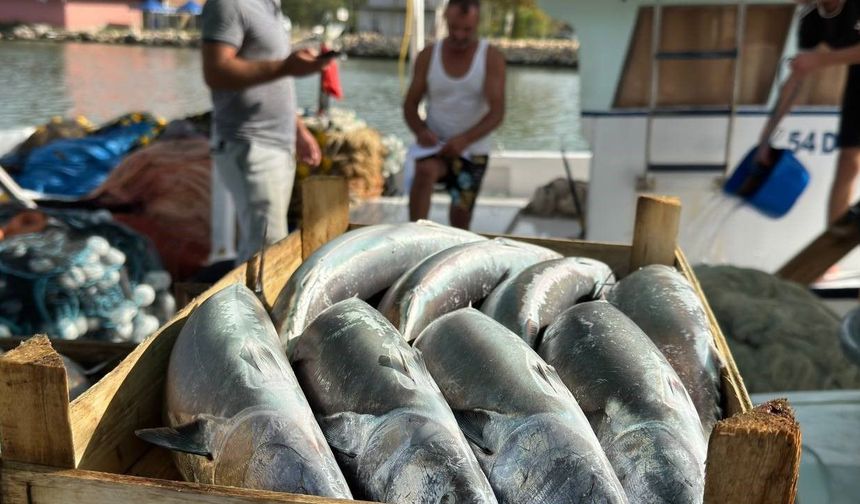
[{"x": 462, "y": 79}]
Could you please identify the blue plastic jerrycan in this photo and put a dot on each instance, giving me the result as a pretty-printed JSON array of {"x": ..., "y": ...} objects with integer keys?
[{"x": 771, "y": 190}]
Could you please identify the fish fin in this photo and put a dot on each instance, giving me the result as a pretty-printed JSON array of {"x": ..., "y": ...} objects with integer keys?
[
  {"x": 472, "y": 424},
  {"x": 548, "y": 375},
  {"x": 602, "y": 287},
  {"x": 260, "y": 357},
  {"x": 193, "y": 437},
  {"x": 532, "y": 330},
  {"x": 398, "y": 363},
  {"x": 344, "y": 431}
]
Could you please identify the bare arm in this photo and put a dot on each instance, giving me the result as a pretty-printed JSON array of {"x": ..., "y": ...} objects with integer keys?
[
  {"x": 224, "y": 69},
  {"x": 787, "y": 97},
  {"x": 809, "y": 62},
  {"x": 494, "y": 90},
  {"x": 307, "y": 149},
  {"x": 416, "y": 92},
  {"x": 802, "y": 65}
]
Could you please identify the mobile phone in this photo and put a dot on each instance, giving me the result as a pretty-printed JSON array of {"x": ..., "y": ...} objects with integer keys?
[{"x": 328, "y": 55}]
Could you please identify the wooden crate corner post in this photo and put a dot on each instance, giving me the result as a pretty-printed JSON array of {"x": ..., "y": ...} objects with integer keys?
[
  {"x": 655, "y": 235},
  {"x": 34, "y": 406},
  {"x": 754, "y": 457},
  {"x": 325, "y": 211}
]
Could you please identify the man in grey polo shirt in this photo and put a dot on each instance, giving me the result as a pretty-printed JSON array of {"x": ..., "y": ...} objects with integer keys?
[{"x": 256, "y": 132}]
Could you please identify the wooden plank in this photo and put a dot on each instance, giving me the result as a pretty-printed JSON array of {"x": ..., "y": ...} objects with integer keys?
[
  {"x": 766, "y": 32},
  {"x": 615, "y": 255},
  {"x": 282, "y": 259},
  {"x": 325, "y": 211},
  {"x": 23, "y": 484},
  {"x": 698, "y": 28},
  {"x": 34, "y": 406},
  {"x": 709, "y": 82},
  {"x": 655, "y": 235},
  {"x": 829, "y": 248},
  {"x": 634, "y": 87},
  {"x": 84, "y": 352},
  {"x": 735, "y": 397},
  {"x": 754, "y": 457},
  {"x": 695, "y": 83},
  {"x": 130, "y": 397}
]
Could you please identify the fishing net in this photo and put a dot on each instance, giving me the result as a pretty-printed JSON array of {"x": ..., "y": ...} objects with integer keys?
[
  {"x": 82, "y": 275},
  {"x": 781, "y": 335},
  {"x": 164, "y": 189},
  {"x": 352, "y": 149}
]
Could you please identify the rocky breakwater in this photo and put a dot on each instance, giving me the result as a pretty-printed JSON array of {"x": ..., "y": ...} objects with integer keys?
[
  {"x": 545, "y": 52},
  {"x": 166, "y": 38},
  {"x": 548, "y": 52}
]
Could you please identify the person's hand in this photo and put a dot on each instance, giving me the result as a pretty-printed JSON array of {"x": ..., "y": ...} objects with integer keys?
[
  {"x": 806, "y": 63},
  {"x": 454, "y": 147},
  {"x": 764, "y": 155},
  {"x": 427, "y": 138},
  {"x": 307, "y": 149},
  {"x": 304, "y": 62}
]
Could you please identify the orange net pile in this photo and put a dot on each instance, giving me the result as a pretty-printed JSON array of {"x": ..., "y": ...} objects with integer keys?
[{"x": 166, "y": 187}]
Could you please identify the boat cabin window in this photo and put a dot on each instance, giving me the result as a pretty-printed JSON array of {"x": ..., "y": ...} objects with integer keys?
[{"x": 697, "y": 55}]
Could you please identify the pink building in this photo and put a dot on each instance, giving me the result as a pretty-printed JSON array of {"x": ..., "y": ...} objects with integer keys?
[{"x": 72, "y": 14}]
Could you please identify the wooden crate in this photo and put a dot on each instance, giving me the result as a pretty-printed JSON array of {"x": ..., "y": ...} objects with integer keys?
[{"x": 86, "y": 452}]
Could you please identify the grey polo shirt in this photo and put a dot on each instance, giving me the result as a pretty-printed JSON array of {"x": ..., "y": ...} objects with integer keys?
[{"x": 265, "y": 113}]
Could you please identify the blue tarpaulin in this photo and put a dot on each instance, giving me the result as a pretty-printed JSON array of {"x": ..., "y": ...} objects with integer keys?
[
  {"x": 155, "y": 7},
  {"x": 190, "y": 7},
  {"x": 76, "y": 166}
]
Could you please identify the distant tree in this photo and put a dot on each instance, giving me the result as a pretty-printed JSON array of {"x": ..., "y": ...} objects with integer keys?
[
  {"x": 516, "y": 19},
  {"x": 308, "y": 13}
]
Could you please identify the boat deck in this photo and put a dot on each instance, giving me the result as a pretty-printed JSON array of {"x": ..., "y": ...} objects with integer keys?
[{"x": 491, "y": 216}]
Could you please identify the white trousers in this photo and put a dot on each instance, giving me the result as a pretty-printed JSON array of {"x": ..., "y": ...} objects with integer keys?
[{"x": 260, "y": 179}]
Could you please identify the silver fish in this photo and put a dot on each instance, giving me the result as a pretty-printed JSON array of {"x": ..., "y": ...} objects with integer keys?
[
  {"x": 237, "y": 414},
  {"x": 455, "y": 278},
  {"x": 529, "y": 435},
  {"x": 362, "y": 263},
  {"x": 663, "y": 303},
  {"x": 390, "y": 428},
  {"x": 634, "y": 400},
  {"x": 531, "y": 300}
]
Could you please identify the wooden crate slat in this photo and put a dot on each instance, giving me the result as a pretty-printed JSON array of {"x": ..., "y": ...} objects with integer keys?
[
  {"x": 281, "y": 260},
  {"x": 34, "y": 405},
  {"x": 754, "y": 457},
  {"x": 615, "y": 255},
  {"x": 84, "y": 352},
  {"x": 325, "y": 211},
  {"x": 735, "y": 396},
  {"x": 25, "y": 484},
  {"x": 655, "y": 234}
]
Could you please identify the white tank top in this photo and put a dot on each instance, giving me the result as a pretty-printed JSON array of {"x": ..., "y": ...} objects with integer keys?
[{"x": 454, "y": 106}]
